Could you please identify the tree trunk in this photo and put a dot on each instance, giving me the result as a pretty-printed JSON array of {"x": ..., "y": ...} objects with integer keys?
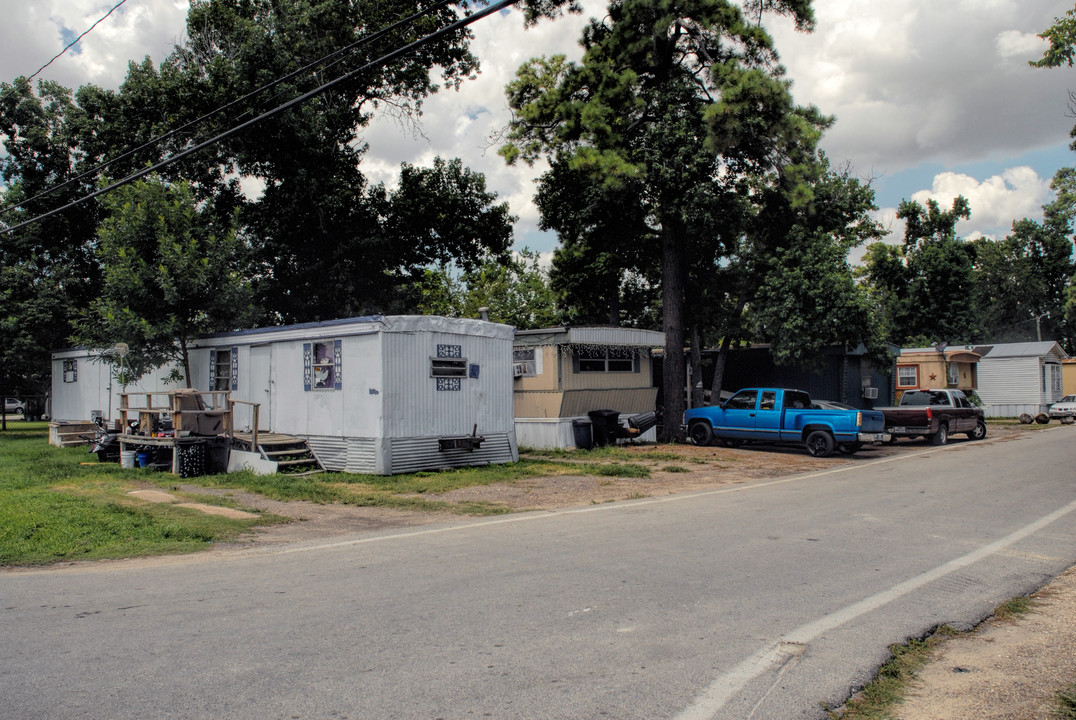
[
  {"x": 719, "y": 370},
  {"x": 696, "y": 368},
  {"x": 186, "y": 361},
  {"x": 723, "y": 353},
  {"x": 672, "y": 299},
  {"x": 614, "y": 302}
]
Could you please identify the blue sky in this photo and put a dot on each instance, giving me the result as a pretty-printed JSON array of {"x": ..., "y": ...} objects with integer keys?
[{"x": 931, "y": 99}]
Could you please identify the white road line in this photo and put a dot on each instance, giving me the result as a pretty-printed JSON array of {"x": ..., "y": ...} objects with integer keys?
[{"x": 720, "y": 691}]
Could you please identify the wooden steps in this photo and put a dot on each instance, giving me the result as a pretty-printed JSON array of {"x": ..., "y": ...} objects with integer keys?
[{"x": 292, "y": 455}]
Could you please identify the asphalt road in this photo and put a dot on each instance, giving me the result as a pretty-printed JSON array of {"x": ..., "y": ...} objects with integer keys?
[{"x": 765, "y": 600}]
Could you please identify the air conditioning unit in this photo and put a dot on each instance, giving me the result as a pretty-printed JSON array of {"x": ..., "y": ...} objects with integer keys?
[
  {"x": 870, "y": 393},
  {"x": 519, "y": 369}
]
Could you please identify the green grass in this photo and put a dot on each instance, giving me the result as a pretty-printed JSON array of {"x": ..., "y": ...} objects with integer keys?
[
  {"x": 1066, "y": 703},
  {"x": 1015, "y": 608},
  {"x": 60, "y": 504},
  {"x": 53, "y": 508},
  {"x": 876, "y": 700}
]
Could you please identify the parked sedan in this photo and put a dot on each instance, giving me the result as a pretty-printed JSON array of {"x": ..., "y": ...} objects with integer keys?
[
  {"x": 1064, "y": 409},
  {"x": 11, "y": 405}
]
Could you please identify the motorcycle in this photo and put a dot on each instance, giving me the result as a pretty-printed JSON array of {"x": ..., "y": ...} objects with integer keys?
[{"x": 105, "y": 443}]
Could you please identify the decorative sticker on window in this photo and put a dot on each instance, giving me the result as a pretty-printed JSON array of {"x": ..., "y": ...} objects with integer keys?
[
  {"x": 322, "y": 365},
  {"x": 235, "y": 367},
  {"x": 449, "y": 383}
]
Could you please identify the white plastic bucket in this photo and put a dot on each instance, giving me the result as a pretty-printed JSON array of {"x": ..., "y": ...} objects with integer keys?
[{"x": 127, "y": 459}]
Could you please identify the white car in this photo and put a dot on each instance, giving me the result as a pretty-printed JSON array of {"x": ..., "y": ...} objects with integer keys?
[
  {"x": 13, "y": 406},
  {"x": 1064, "y": 409}
]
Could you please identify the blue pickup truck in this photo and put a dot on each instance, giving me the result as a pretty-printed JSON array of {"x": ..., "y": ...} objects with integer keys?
[{"x": 784, "y": 416}]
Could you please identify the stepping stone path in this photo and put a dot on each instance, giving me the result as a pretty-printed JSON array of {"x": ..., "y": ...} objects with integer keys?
[{"x": 157, "y": 496}]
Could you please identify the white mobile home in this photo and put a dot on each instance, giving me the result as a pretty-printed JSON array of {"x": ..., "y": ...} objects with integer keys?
[
  {"x": 563, "y": 374},
  {"x": 1019, "y": 378},
  {"x": 84, "y": 386},
  {"x": 379, "y": 394}
]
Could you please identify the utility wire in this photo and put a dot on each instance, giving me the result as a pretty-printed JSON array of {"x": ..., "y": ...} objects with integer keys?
[
  {"x": 4, "y": 209},
  {"x": 75, "y": 41},
  {"x": 458, "y": 25}
]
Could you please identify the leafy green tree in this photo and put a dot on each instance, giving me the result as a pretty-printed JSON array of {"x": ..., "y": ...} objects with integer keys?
[
  {"x": 1022, "y": 282},
  {"x": 169, "y": 275},
  {"x": 1062, "y": 38},
  {"x": 47, "y": 270},
  {"x": 807, "y": 298},
  {"x": 928, "y": 287},
  {"x": 684, "y": 98},
  {"x": 604, "y": 241},
  {"x": 515, "y": 291}
]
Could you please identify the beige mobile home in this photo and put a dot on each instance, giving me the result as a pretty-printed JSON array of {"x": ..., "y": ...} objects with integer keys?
[{"x": 563, "y": 374}]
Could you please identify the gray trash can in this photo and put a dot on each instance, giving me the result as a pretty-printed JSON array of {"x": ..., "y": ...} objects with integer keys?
[{"x": 583, "y": 434}]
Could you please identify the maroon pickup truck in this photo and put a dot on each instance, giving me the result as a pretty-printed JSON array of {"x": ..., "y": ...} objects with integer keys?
[{"x": 935, "y": 415}]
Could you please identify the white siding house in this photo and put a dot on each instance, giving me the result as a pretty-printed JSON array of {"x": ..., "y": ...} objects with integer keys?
[
  {"x": 84, "y": 386},
  {"x": 379, "y": 394},
  {"x": 1018, "y": 378}
]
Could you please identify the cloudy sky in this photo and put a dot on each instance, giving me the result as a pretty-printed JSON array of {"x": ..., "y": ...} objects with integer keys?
[{"x": 932, "y": 99}]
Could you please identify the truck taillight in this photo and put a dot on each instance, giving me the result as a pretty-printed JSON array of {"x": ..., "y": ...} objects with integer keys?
[
  {"x": 859, "y": 419},
  {"x": 930, "y": 415}
]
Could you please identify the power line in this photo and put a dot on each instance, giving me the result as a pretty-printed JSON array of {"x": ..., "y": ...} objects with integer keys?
[
  {"x": 75, "y": 41},
  {"x": 161, "y": 138},
  {"x": 458, "y": 25}
]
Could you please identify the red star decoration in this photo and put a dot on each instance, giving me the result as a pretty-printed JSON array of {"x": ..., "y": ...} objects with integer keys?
[{"x": 933, "y": 376}]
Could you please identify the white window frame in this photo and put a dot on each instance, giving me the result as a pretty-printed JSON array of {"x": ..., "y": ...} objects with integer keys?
[
  {"x": 602, "y": 364},
  {"x": 914, "y": 369}
]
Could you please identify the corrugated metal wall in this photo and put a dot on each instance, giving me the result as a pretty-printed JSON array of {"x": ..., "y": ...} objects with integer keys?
[
  {"x": 412, "y": 406},
  {"x": 1011, "y": 386},
  {"x": 412, "y": 454},
  {"x": 354, "y": 455}
]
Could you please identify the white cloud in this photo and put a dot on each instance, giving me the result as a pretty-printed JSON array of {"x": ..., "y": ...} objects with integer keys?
[
  {"x": 921, "y": 81},
  {"x": 1020, "y": 45},
  {"x": 926, "y": 81},
  {"x": 995, "y": 202}
]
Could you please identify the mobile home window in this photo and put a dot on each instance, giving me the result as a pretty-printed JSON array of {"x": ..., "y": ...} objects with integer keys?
[
  {"x": 907, "y": 376},
  {"x": 954, "y": 374},
  {"x": 605, "y": 360},
  {"x": 524, "y": 363},
  {"x": 223, "y": 369},
  {"x": 70, "y": 371},
  {"x": 448, "y": 367},
  {"x": 322, "y": 362}
]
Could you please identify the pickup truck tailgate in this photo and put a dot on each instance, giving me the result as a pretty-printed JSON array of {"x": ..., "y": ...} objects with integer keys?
[{"x": 873, "y": 421}]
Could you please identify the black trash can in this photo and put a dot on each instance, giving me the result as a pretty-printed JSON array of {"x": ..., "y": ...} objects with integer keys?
[
  {"x": 606, "y": 423},
  {"x": 191, "y": 459},
  {"x": 584, "y": 436}
]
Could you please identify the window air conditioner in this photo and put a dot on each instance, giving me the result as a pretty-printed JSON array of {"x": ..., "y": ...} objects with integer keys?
[{"x": 870, "y": 393}]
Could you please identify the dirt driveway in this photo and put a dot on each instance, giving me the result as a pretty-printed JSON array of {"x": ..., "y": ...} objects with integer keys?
[
  {"x": 1005, "y": 671},
  {"x": 672, "y": 469}
]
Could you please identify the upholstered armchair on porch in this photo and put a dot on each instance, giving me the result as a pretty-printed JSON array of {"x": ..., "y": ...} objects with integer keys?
[{"x": 189, "y": 414}]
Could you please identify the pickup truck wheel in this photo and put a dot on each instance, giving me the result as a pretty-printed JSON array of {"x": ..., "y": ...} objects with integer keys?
[
  {"x": 979, "y": 432},
  {"x": 941, "y": 437},
  {"x": 849, "y": 448},
  {"x": 820, "y": 444},
  {"x": 701, "y": 433}
]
